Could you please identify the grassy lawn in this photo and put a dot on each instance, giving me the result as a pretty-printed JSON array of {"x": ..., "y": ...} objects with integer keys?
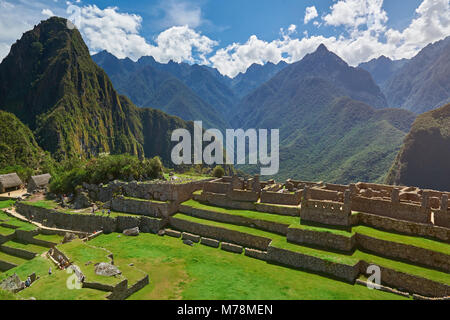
[
  {"x": 277, "y": 240},
  {"x": 47, "y": 204},
  {"x": 6, "y": 231},
  {"x": 51, "y": 238},
  {"x": 81, "y": 253},
  {"x": 404, "y": 239},
  {"x": 26, "y": 246},
  {"x": 12, "y": 259},
  {"x": 245, "y": 213},
  {"x": 178, "y": 271},
  {"x": 280, "y": 242},
  {"x": 7, "y": 204},
  {"x": 50, "y": 287}
]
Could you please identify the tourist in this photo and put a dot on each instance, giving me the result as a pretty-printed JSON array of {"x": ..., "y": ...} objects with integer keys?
[
  {"x": 50, "y": 271},
  {"x": 109, "y": 212}
]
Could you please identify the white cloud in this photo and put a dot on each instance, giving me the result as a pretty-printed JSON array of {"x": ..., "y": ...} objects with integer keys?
[
  {"x": 118, "y": 33},
  {"x": 310, "y": 14},
  {"x": 180, "y": 13},
  {"x": 366, "y": 36},
  {"x": 47, "y": 12}
]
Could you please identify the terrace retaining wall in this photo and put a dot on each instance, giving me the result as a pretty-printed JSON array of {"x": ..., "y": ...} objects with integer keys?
[
  {"x": 406, "y": 227},
  {"x": 5, "y": 266},
  {"x": 409, "y": 283},
  {"x": 410, "y": 253},
  {"x": 144, "y": 207},
  {"x": 27, "y": 255},
  {"x": 321, "y": 239},
  {"x": 87, "y": 223},
  {"x": 344, "y": 272},
  {"x": 269, "y": 226},
  {"x": 221, "y": 234}
]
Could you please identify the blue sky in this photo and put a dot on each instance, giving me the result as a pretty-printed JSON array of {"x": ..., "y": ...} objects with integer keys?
[{"x": 231, "y": 35}]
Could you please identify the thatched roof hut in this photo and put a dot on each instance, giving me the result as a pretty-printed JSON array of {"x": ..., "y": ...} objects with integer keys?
[
  {"x": 38, "y": 182},
  {"x": 9, "y": 182}
]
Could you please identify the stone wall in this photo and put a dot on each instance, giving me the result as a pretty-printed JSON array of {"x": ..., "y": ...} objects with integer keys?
[
  {"x": 442, "y": 219},
  {"x": 88, "y": 223},
  {"x": 216, "y": 187},
  {"x": 298, "y": 260},
  {"x": 387, "y": 208},
  {"x": 222, "y": 200},
  {"x": 5, "y": 266},
  {"x": 269, "y": 226},
  {"x": 123, "y": 292},
  {"x": 221, "y": 234},
  {"x": 243, "y": 195},
  {"x": 293, "y": 211},
  {"x": 149, "y": 208},
  {"x": 325, "y": 212},
  {"x": 410, "y": 253},
  {"x": 323, "y": 194},
  {"x": 321, "y": 239},
  {"x": 406, "y": 227},
  {"x": 18, "y": 252},
  {"x": 290, "y": 199},
  {"x": 410, "y": 283}
]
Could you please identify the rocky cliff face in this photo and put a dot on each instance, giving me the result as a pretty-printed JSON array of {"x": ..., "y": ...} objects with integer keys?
[
  {"x": 50, "y": 83},
  {"x": 423, "y": 160}
]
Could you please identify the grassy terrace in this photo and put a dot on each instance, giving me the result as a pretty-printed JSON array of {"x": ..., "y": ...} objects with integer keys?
[
  {"x": 178, "y": 271},
  {"x": 12, "y": 259},
  {"x": 6, "y": 231},
  {"x": 50, "y": 287},
  {"x": 244, "y": 213},
  {"x": 294, "y": 222},
  {"x": 26, "y": 246},
  {"x": 281, "y": 242},
  {"x": 6, "y": 204},
  {"x": 81, "y": 253},
  {"x": 50, "y": 204},
  {"x": 51, "y": 238}
]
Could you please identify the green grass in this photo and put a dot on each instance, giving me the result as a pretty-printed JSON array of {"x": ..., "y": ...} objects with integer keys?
[
  {"x": 81, "y": 253},
  {"x": 178, "y": 271},
  {"x": 7, "y": 204},
  {"x": 281, "y": 242},
  {"x": 26, "y": 246},
  {"x": 50, "y": 287},
  {"x": 6, "y": 295},
  {"x": 19, "y": 224},
  {"x": 244, "y": 213},
  {"x": 404, "y": 239},
  {"x": 47, "y": 204},
  {"x": 51, "y": 238},
  {"x": 12, "y": 259},
  {"x": 277, "y": 240},
  {"x": 6, "y": 231}
]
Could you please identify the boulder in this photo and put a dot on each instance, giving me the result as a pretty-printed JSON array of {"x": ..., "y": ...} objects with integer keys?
[
  {"x": 12, "y": 284},
  {"x": 82, "y": 201},
  {"x": 131, "y": 232},
  {"x": 68, "y": 237},
  {"x": 106, "y": 269},
  {"x": 188, "y": 242}
]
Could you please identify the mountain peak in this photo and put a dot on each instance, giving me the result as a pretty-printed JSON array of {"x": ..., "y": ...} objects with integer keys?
[{"x": 322, "y": 48}]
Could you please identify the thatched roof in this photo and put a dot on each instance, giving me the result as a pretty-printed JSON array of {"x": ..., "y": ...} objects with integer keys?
[
  {"x": 11, "y": 180},
  {"x": 41, "y": 180}
]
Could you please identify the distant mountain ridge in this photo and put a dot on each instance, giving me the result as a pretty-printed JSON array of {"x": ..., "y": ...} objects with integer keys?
[
  {"x": 422, "y": 84},
  {"x": 382, "y": 68}
]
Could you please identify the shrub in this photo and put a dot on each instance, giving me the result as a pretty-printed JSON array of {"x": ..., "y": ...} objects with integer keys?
[{"x": 218, "y": 172}]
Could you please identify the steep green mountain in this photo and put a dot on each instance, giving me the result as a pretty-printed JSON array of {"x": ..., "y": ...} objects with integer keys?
[
  {"x": 422, "y": 83},
  {"x": 256, "y": 75},
  {"x": 17, "y": 144},
  {"x": 50, "y": 83},
  {"x": 324, "y": 134},
  {"x": 202, "y": 87},
  {"x": 150, "y": 87},
  {"x": 424, "y": 158},
  {"x": 382, "y": 68}
]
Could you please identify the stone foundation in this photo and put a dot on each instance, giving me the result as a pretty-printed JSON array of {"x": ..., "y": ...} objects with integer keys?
[{"x": 231, "y": 248}]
